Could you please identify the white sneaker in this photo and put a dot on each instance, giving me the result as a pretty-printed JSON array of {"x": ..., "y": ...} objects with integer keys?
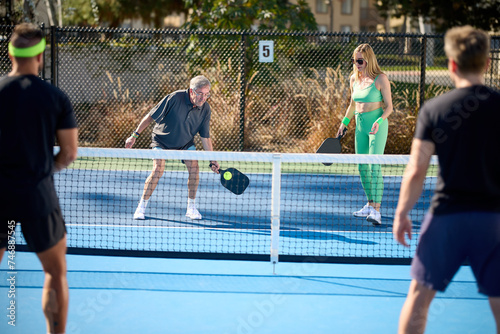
[
  {"x": 139, "y": 213},
  {"x": 374, "y": 217},
  {"x": 364, "y": 212},
  {"x": 193, "y": 213}
]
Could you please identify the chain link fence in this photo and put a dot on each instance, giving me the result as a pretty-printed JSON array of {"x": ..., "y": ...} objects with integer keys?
[{"x": 291, "y": 104}]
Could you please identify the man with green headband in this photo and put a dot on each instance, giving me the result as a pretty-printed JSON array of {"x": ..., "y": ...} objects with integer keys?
[{"x": 33, "y": 115}]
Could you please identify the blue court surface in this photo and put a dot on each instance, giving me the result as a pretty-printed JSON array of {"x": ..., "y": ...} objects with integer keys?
[
  {"x": 152, "y": 295},
  {"x": 113, "y": 294},
  {"x": 315, "y": 214}
]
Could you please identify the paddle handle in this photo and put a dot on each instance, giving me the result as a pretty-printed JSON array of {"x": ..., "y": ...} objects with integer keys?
[
  {"x": 220, "y": 170},
  {"x": 342, "y": 134}
]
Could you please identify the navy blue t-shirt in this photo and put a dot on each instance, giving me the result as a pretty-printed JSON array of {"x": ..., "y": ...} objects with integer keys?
[
  {"x": 178, "y": 121},
  {"x": 31, "y": 111},
  {"x": 464, "y": 125}
]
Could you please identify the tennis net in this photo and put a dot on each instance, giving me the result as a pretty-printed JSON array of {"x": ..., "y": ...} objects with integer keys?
[{"x": 295, "y": 207}]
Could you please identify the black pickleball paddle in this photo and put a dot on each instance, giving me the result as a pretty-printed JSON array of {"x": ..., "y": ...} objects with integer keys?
[
  {"x": 233, "y": 180},
  {"x": 331, "y": 146}
]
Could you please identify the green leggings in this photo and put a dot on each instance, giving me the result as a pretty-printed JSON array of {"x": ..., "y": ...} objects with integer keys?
[{"x": 364, "y": 143}]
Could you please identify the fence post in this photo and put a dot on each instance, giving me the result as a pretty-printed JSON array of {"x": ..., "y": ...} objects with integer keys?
[
  {"x": 242, "y": 90},
  {"x": 423, "y": 62},
  {"x": 494, "y": 67},
  {"x": 53, "y": 55},
  {"x": 43, "y": 74}
]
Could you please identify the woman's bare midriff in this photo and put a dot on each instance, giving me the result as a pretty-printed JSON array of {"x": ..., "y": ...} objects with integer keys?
[{"x": 362, "y": 107}]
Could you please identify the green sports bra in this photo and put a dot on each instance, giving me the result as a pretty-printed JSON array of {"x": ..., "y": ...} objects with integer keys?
[{"x": 367, "y": 94}]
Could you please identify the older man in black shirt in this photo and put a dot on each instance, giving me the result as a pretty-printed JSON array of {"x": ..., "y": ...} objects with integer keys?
[{"x": 179, "y": 117}]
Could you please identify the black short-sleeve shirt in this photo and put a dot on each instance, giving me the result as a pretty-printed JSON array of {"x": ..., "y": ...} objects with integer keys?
[
  {"x": 464, "y": 125},
  {"x": 178, "y": 121},
  {"x": 31, "y": 111}
]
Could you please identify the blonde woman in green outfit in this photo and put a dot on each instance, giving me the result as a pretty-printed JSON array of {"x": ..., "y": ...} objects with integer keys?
[{"x": 371, "y": 104}]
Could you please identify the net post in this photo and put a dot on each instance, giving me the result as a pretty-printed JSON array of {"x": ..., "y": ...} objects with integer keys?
[{"x": 275, "y": 209}]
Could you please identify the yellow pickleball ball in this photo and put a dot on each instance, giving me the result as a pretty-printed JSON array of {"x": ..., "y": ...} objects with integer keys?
[{"x": 228, "y": 176}]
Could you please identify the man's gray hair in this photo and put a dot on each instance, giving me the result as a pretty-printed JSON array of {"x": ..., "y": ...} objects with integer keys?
[{"x": 198, "y": 82}]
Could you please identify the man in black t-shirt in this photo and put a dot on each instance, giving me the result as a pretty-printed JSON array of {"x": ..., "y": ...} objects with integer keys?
[
  {"x": 178, "y": 118},
  {"x": 463, "y": 222},
  {"x": 32, "y": 115}
]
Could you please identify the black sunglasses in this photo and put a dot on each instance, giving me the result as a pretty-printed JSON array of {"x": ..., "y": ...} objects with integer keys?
[{"x": 359, "y": 61}]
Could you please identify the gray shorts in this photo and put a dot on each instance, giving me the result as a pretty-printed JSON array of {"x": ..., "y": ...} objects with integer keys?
[
  {"x": 447, "y": 241},
  {"x": 190, "y": 148}
]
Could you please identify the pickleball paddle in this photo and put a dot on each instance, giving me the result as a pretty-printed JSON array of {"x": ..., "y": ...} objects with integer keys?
[
  {"x": 233, "y": 180},
  {"x": 331, "y": 146}
]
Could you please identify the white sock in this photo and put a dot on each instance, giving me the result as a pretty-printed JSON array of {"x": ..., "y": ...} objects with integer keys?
[
  {"x": 143, "y": 203},
  {"x": 191, "y": 202}
]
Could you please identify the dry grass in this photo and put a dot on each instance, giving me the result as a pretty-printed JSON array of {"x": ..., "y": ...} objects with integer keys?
[
  {"x": 403, "y": 120},
  {"x": 225, "y": 105},
  {"x": 110, "y": 121},
  {"x": 326, "y": 102},
  {"x": 296, "y": 115}
]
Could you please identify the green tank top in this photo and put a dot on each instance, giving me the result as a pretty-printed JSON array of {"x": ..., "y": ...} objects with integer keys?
[{"x": 367, "y": 94}]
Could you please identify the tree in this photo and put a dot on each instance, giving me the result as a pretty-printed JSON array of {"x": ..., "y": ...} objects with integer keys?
[
  {"x": 242, "y": 14},
  {"x": 17, "y": 11},
  {"x": 150, "y": 11},
  {"x": 444, "y": 14},
  {"x": 114, "y": 12},
  {"x": 7, "y": 12}
]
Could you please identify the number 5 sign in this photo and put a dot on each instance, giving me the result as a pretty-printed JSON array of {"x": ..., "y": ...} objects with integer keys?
[{"x": 266, "y": 51}]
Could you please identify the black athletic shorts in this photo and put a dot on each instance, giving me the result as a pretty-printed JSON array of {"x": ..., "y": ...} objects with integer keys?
[{"x": 40, "y": 233}]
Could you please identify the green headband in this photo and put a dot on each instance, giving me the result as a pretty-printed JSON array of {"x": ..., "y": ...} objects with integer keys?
[{"x": 32, "y": 51}]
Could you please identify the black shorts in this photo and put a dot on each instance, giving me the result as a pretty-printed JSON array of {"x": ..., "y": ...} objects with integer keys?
[{"x": 40, "y": 233}]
